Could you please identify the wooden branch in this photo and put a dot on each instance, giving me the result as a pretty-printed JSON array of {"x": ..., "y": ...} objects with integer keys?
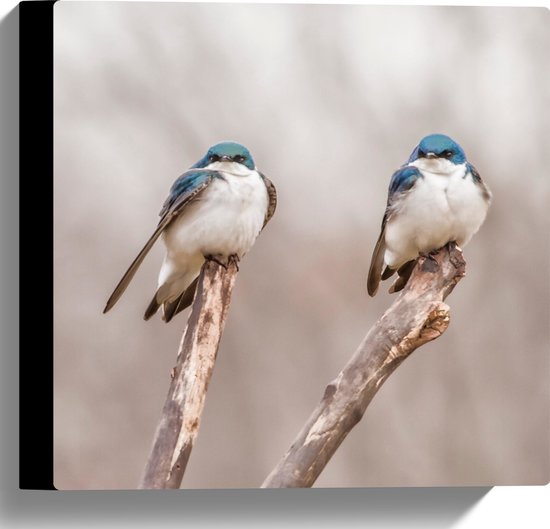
[
  {"x": 181, "y": 415},
  {"x": 417, "y": 316}
]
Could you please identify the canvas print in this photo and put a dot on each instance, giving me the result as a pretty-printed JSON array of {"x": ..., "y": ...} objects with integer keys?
[{"x": 300, "y": 246}]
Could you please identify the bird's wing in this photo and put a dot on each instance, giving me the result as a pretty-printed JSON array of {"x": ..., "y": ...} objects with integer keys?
[
  {"x": 401, "y": 181},
  {"x": 377, "y": 260},
  {"x": 184, "y": 190},
  {"x": 476, "y": 177},
  {"x": 272, "y": 194}
]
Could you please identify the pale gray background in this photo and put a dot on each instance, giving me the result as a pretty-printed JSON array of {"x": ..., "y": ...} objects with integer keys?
[{"x": 330, "y": 100}]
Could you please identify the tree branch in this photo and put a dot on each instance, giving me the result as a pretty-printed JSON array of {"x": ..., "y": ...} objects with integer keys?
[
  {"x": 181, "y": 415},
  {"x": 417, "y": 316}
]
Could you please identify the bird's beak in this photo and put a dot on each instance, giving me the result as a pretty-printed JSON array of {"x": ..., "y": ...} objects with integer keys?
[
  {"x": 431, "y": 155},
  {"x": 225, "y": 159}
]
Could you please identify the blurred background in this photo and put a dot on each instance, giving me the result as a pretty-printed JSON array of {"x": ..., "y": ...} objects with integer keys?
[{"x": 330, "y": 100}]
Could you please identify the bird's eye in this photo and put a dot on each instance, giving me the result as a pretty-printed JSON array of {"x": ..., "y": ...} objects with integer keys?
[
  {"x": 239, "y": 158},
  {"x": 421, "y": 153},
  {"x": 447, "y": 154},
  {"x": 214, "y": 157}
]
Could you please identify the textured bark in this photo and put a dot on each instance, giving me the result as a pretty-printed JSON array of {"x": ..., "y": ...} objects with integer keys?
[
  {"x": 181, "y": 415},
  {"x": 417, "y": 316}
]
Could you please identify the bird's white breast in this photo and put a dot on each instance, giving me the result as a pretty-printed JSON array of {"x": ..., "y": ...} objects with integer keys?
[
  {"x": 225, "y": 220},
  {"x": 441, "y": 207}
]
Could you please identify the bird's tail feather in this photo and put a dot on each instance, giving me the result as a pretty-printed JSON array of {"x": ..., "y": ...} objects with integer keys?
[
  {"x": 152, "y": 308},
  {"x": 404, "y": 273},
  {"x": 170, "y": 309},
  {"x": 388, "y": 272},
  {"x": 376, "y": 264}
]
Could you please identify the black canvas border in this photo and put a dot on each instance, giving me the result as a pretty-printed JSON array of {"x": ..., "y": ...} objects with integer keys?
[{"x": 36, "y": 210}]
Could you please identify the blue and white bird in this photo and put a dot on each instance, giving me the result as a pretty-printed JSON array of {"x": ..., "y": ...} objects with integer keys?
[
  {"x": 213, "y": 211},
  {"x": 437, "y": 197}
]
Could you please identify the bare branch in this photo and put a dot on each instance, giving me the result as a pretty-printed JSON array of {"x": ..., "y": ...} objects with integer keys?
[
  {"x": 181, "y": 415},
  {"x": 417, "y": 316}
]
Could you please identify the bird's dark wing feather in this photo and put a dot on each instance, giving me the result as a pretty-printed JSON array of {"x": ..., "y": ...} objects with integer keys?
[
  {"x": 272, "y": 193},
  {"x": 476, "y": 177},
  {"x": 401, "y": 181},
  {"x": 184, "y": 190},
  {"x": 377, "y": 260}
]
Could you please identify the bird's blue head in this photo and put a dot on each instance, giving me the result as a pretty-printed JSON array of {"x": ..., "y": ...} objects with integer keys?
[
  {"x": 438, "y": 146},
  {"x": 227, "y": 151}
]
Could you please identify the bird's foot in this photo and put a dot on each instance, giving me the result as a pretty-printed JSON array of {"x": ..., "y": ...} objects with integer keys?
[
  {"x": 234, "y": 258},
  {"x": 216, "y": 260},
  {"x": 453, "y": 245},
  {"x": 429, "y": 255},
  {"x": 430, "y": 263}
]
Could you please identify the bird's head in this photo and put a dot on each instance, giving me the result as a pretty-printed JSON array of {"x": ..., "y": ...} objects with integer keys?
[
  {"x": 438, "y": 153},
  {"x": 225, "y": 153}
]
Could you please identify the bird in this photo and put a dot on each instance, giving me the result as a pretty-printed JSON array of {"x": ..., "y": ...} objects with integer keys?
[
  {"x": 214, "y": 211},
  {"x": 436, "y": 197}
]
